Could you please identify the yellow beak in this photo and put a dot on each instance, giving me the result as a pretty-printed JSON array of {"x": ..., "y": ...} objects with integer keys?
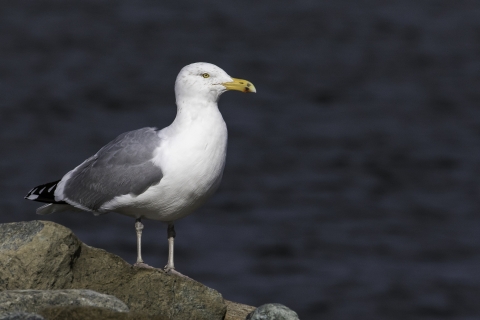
[{"x": 240, "y": 85}]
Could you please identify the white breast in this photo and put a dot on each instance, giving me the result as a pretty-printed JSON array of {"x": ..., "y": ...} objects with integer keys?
[{"x": 192, "y": 157}]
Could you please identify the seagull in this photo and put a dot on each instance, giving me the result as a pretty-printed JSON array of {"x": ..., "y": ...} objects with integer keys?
[{"x": 155, "y": 174}]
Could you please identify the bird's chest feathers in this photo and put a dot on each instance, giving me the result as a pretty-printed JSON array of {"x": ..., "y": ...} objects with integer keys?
[{"x": 195, "y": 158}]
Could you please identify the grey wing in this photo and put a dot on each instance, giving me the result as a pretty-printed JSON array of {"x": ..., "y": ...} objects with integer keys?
[{"x": 123, "y": 166}]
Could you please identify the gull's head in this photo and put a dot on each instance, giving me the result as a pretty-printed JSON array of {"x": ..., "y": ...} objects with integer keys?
[{"x": 207, "y": 81}]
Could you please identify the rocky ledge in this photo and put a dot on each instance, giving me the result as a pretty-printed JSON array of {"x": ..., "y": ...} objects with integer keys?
[{"x": 46, "y": 272}]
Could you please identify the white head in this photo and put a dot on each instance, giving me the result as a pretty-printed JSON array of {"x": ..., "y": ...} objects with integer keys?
[{"x": 203, "y": 80}]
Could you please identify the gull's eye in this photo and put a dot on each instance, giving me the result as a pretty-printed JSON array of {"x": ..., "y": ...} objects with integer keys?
[{"x": 205, "y": 75}]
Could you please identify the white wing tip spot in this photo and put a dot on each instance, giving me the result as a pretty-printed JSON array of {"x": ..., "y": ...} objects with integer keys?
[{"x": 32, "y": 197}]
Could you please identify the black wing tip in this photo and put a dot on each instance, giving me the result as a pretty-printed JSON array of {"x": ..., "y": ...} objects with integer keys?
[{"x": 44, "y": 193}]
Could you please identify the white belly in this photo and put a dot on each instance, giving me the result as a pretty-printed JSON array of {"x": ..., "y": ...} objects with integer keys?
[{"x": 192, "y": 164}]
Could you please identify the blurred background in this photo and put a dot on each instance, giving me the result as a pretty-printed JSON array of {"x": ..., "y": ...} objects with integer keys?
[{"x": 351, "y": 189}]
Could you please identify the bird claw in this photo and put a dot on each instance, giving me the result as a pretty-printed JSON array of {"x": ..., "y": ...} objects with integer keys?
[{"x": 175, "y": 272}]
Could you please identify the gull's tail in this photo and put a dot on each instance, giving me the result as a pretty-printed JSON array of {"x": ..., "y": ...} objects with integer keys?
[
  {"x": 52, "y": 207},
  {"x": 45, "y": 193}
]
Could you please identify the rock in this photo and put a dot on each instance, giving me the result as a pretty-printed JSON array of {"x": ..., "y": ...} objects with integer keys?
[
  {"x": 14, "y": 235},
  {"x": 273, "y": 311},
  {"x": 146, "y": 290},
  {"x": 82, "y": 313},
  {"x": 19, "y": 315},
  {"x": 36, "y": 300},
  {"x": 36, "y": 255},
  {"x": 237, "y": 311},
  {"x": 44, "y": 255}
]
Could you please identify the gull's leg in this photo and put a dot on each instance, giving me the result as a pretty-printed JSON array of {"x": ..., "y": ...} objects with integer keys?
[
  {"x": 170, "y": 268},
  {"x": 139, "y": 228},
  {"x": 171, "y": 237}
]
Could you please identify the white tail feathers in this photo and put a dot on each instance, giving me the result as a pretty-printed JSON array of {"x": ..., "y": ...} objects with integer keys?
[{"x": 53, "y": 207}]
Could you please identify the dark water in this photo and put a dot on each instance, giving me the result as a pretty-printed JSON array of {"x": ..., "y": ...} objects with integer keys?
[{"x": 352, "y": 186}]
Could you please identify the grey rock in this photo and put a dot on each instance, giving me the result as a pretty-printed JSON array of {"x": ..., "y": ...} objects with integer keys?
[
  {"x": 237, "y": 311},
  {"x": 49, "y": 256},
  {"x": 19, "y": 315},
  {"x": 273, "y": 311},
  {"x": 12, "y": 236},
  {"x": 36, "y": 300},
  {"x": 82, "y": 313},
  {"x": 37, "y": 255}
]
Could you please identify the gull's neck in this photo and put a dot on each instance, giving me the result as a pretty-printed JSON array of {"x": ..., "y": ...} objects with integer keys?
[{"x": 193, "y": 111}]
